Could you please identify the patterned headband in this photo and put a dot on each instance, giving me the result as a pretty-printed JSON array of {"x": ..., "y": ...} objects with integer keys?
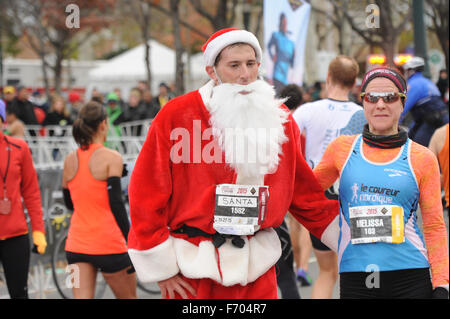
[{"x": 388, "y": 73}]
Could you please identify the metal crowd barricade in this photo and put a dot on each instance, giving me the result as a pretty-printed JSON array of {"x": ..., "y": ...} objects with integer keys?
[
  {"x": 51, "y": 144},
  {"x": 49, "y": 152},
  {"x": 133, "y": 128}
]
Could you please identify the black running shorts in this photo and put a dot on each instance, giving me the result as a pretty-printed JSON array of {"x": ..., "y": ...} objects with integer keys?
[{"x": 106, "y": 263}]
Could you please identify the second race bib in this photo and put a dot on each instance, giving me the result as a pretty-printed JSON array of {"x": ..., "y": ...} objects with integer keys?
[{"x": 377, "y": 223}]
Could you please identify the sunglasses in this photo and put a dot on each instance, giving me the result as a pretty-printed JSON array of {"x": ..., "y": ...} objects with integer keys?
[{"x": 388, "y": 97}]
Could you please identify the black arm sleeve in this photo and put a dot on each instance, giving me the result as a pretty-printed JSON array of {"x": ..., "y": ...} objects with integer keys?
[
  {"x": 67, "y": 199},
  {"x": 117, "y": 205}
]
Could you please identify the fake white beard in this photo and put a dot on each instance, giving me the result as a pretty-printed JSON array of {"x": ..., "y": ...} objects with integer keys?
[{"x": 248, "y": 127}]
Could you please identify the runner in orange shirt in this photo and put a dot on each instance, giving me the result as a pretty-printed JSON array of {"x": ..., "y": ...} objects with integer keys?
[{"x": 99, "y": 227}]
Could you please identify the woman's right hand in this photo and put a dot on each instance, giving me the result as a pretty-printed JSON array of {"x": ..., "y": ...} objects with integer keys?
[{"x": 175, "y": 284}]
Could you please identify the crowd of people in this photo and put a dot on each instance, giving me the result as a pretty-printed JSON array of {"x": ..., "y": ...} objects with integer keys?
[
  {"x": 218, "y": 210},
  {"x": 24, "y": 108}
]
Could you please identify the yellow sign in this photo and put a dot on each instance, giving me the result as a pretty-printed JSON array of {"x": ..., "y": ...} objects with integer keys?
[{"x": 398, "y": 228}]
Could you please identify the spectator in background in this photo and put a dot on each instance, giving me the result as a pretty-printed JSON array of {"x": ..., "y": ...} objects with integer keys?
[
  {"x": 115, "y": 113},
  {"x": 423, "y": 103},
  {"x": 319, "y": 91},
  {"x": 39, "y": 100},
  {"x": 57, "y": 118},
  {"x": 15, "y": 127},
  {"x": 294, "y": 96},
  {"x": 163, "y": 96},
  {"x": 135, "y": 109},
  {"x": 121, "y": 102},
  {"x": 75, "y": 104},
  {"x": 96, "y": 96},
  {"x": 143, "y": 85},
  {"x": 9, "y": 93},
  {"x": 306, "y": 94},
  {"x": 23, "y": 107},
  {"x": 355, "y": 93},
  {"x": 58, "y": 115},
  {"x": 442, "y": 83},
  {"x": 150, "y": 107},
  {"x": 115, "y": 117}
]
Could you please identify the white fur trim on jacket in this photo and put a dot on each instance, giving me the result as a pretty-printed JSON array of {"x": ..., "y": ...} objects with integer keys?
[
  {"x": 330, "y": 237},
  {"x": 197, "y": 261},
  {"x": 155, "y": 264},
  {"x": 205, "y": 92},
  {"x": 265, "y": 250},
  {"x": 238, "y": 265}
]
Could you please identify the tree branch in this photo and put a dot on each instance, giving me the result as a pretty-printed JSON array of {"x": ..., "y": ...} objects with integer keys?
[
  {"x": 182, "y": 22},
  {"x": 199, "y": 8}
]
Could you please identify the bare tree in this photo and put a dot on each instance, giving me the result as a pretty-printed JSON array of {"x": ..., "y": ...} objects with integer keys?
[
  {"x": 437, "y": 10},
  {"x": 390, "y": 20},
  {"x": 179, "y": 50},
  {"x": 194, "y": 29},
  {"x": 44, "y": 24},
  {"x": 141, "y": 11},
  {"x": 338, "y": 20},
  {"x": 224, "y": 15}
]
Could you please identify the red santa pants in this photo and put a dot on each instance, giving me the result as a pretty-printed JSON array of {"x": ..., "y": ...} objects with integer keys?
[{"x": 265, "y": 287}]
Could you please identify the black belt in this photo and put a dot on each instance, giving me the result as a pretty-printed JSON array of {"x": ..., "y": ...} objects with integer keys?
[{"x": 218, "y": 239}]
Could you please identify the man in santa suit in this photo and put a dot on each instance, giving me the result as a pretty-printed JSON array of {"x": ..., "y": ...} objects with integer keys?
[{"x": 232, "y": 135}]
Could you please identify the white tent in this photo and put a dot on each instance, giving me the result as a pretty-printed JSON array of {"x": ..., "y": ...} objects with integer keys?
[{"x": 125, "y": 70}]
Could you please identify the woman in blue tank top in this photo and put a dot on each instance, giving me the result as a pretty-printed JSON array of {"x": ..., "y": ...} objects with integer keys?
[{"x": 382, "y": 252}]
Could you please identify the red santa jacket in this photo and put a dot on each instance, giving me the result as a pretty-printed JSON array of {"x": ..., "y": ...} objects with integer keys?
[
  {"x": 21, "y": 182},
  {"x": 165, "y": 196}
]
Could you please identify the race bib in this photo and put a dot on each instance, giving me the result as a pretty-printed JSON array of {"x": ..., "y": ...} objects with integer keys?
[
  {"x": 240, "y": 209},
  {"x": 378, "y": 223}
]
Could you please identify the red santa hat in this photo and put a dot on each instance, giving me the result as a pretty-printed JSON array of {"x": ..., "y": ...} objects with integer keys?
[{"x": 225, "y": 37}]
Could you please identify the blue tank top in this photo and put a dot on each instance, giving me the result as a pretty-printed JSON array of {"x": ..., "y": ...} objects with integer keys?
[{"x": 378, "y": 203}]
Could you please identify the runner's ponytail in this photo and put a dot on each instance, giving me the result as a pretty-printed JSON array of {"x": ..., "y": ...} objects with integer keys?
[{"x": 86, "y": 125}]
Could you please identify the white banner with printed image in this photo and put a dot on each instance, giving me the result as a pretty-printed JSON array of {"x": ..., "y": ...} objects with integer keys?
[{"x": 285, "y": 31}]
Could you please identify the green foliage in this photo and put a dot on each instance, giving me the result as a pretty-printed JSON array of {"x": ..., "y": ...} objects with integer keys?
[{"x": 10, "y": 45}]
